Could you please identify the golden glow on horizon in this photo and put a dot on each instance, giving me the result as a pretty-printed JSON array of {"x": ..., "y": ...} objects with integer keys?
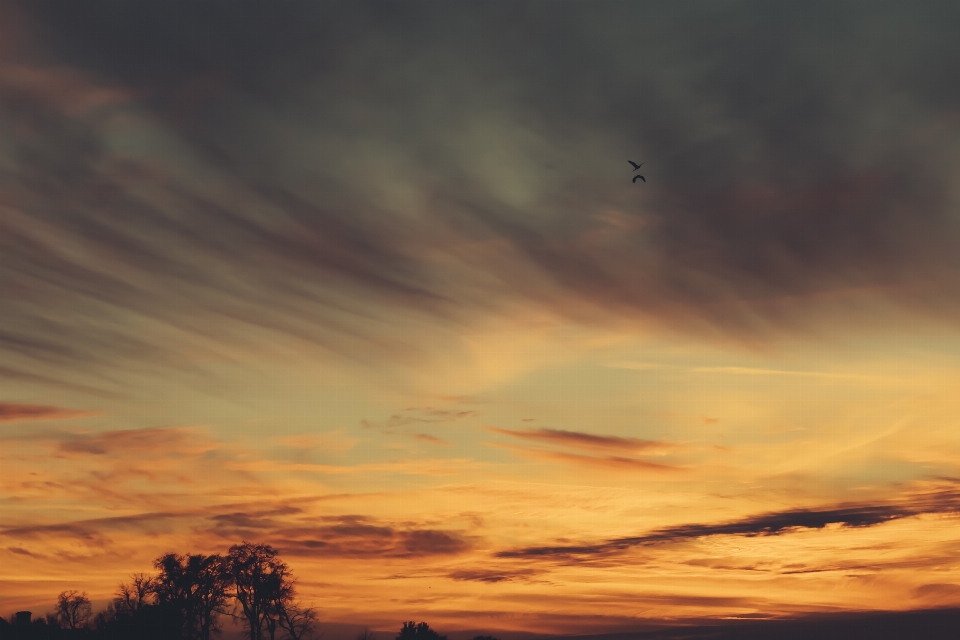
[{"x": 516, "y": 466}]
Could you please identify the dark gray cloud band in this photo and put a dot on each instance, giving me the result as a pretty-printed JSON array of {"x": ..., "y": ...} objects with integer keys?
[
  {"x": 580, "y": 439},
  {"x": 356, "y": 537},
  {"x": 767, "y": 524},
  {"x": 13, "y": 412}
]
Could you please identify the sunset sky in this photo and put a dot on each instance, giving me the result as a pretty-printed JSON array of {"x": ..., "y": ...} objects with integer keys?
[{"x": 370, "y": 283}]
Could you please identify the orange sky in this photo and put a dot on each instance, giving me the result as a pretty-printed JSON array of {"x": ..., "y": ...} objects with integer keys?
[{"x": 377, "y": 289}]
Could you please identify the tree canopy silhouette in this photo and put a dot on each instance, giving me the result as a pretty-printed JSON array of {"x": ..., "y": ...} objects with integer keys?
[
  {"x": 265, "y": 592},
  {"x": 184, "y": 601},
  {"x": 421, "y": 631},
  {"x": 192, "y": 592},
  {"x": 73, "y": 609}
]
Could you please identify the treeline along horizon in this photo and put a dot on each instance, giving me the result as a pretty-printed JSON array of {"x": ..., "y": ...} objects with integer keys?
[{"x": 186, "y": 599}]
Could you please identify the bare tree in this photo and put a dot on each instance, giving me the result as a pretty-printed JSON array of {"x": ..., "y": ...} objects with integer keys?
[
  {"x": 300, "y": 623},
  {"x": 366, "y": 634},
  {"x": 132, "y": 597},
  {"x": 73, "y": 609}
]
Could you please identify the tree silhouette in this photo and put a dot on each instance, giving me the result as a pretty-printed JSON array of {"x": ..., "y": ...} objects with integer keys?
[
  {"x": 422, "y": 631},
  {"x": 131, "y": 598},
  {"x": 191, "y": 592},
  {"x": 265, "y": 592},
  {"x": 366, "y": 634},
  {"x": 184, "y": 601},
  {"x": 133, "y": 614},
  {"x": 73, "y": 609},
  {"x": 299, "y": 622}
]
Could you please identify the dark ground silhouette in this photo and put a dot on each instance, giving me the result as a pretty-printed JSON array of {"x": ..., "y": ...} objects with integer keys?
[
  {"x": 191, "y": 596},
  {"x": 928, "y": 624}
]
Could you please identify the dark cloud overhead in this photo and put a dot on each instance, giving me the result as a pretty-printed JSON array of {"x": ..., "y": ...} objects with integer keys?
[{"x": 287, "y": 169}]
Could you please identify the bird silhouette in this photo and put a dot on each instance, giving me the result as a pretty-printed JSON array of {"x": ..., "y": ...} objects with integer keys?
[
  {"x": 637, "y": 166},
  {"x": 639, "y": 176}
]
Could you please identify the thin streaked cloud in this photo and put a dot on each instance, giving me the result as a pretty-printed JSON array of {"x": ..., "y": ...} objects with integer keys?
[
  {"x": 745, "y": 371},
  {"x": 579, "y": 439},
  {"x": 12, "y": 412}
]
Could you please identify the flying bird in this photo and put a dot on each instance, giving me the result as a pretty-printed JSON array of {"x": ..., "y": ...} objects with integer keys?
[
  {"x": 639, "y": 176},
  {"x": 637, "y": 166}
]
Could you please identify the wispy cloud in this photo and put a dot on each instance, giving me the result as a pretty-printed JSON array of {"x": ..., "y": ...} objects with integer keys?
[
  {"x": 743, "y": 371},
  {"x": 939, "y": 592},
  {"x": 337, "y": 440},
  {"x": 288, "y": 525},
  {"x": 360, "y": 537},
  {"x": 622, "y": 463},
  {"x": 247, "y": 523},
  {"x": 426, "y": 437},
  {"x": 608, "y": 452},
  {"x": 411, "y": 466},
  {"x": 420, "y": 415},
  {"x": 154, "y": 441},
  {"x": 579, "y": 439},
  {"x": 94, "y": 528},
  {"x": 491, "y": 575},
  {"x": 10, "y": 412}
]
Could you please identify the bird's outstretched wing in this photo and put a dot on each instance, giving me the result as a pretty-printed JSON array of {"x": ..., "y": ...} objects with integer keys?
[
  {"x": 639, "y": 176},
  {"x": 636, "y": 166}
]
